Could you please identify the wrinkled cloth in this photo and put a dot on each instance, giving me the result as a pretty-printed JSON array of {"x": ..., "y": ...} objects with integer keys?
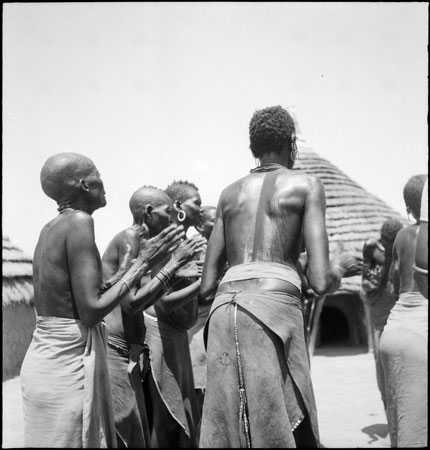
[
  {"x": 404, "y": 355},
  {"x": 197, "y": 347},
  {"x": 65, "y": 386},
  {"x": 262, "y": 269},
  {"x": 126, "y": 372},
  {"x": 275, "y": 369},
  {"x": 171, "y": 370}
]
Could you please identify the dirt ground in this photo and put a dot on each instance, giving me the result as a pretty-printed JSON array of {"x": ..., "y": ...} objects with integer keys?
[{"x": 350, "y": 411}]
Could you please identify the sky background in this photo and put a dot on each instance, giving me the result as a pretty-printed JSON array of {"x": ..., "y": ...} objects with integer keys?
[{"x": 154, "y": 92}]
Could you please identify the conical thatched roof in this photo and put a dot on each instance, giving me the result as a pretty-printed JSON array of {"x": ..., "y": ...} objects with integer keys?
[
  {"x": 17, "y": 275},
  {"x": 353, "y": 214}
]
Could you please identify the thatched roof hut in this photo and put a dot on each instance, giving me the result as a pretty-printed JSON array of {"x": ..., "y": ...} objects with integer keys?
[
  {"x": 17, "y": 307},
  {"x": 352, "y": 216},
  {"x": 17, "y": 275}
]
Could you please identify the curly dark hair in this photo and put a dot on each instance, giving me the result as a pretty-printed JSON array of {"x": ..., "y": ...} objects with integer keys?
[
  {"x": 412, "y": 193},
  {"x": 270, "y": 128},
  {"x": 181, "y": 190},
  {"x": 390, "y": 228}
]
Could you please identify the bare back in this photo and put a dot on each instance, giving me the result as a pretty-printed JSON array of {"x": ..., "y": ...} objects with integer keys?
[
  {"x": 404, "y": 258},
  {"x": 52, "y": 281},
  {"x": 262, "y": 215},
  {"x": 120, "y": 324}
]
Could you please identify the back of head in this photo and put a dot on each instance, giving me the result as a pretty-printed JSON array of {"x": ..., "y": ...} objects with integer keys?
[
  {"x": 145, "y": 196},
  {"x": 270, "y": 128},
  {"x": 61, "y": 174},
  {"x": 412, "y": 193},
  {"x": 181, "y": 190},
  {"x": 389, "y": 230}
]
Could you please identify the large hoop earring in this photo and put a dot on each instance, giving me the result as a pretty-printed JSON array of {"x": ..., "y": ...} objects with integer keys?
[
  {"x": 294, "y": 155},
  {"x": 182, "y": 215}
]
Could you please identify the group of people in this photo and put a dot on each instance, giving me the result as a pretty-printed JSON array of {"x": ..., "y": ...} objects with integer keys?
[
  {"x": 395, "y": 284},
  {"x": 110, "y": 363}
]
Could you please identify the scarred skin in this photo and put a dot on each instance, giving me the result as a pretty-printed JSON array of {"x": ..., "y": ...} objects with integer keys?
[
  {"x": 269, "y": 216},
  {"x": 125, "y": 321},
  {"x": 67, "y": 271}
]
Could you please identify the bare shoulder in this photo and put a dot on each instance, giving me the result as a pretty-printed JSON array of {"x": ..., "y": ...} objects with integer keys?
[
  {"x": 405, "y": 236},
  {"x": 80, "y": 219}
]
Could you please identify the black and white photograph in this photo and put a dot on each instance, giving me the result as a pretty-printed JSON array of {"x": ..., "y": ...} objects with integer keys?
[{"x": 215, "y": 224}]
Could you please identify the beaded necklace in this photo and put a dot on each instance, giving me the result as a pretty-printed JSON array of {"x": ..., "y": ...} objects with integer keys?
[{"x": 267, "y": 168}]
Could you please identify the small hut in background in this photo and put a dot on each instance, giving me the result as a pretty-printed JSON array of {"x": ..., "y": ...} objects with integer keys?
[
  {"x": 352, "y": 216},
  {"x": 18, "y": 312}
]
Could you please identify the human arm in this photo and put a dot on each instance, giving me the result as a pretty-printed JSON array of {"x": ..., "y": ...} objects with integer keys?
[
  {"x": 421, "y": 251},
  {"x": 215, "y": 260},
  {"x": 324, "y": 276},
  {"x": 149, "y": 293},
  {"x": 179, "y": 298},
  {"x": 86, "y": 271}
]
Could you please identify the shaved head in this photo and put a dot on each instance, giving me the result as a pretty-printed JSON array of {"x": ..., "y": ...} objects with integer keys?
[
  {"x": 145, "y": 196},
  {"x": 61, "y": 174}
]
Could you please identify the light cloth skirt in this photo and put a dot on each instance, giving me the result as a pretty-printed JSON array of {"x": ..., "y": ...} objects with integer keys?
[
  {"x": 65, "y": 386},
  {"x": 404, "y": 355}
]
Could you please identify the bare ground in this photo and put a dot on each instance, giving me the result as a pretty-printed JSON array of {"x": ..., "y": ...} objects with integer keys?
[{"x": 350, "y": 411}]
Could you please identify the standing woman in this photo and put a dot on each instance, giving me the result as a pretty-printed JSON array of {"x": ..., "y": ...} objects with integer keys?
[
  {"x": 64, "y": 376},
  {"x": 175, "y": 414},
  {"x": 404, "y": 341}
]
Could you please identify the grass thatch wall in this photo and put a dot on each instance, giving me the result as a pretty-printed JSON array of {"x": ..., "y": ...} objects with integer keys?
[
  {"x": 353, "y": 214},
  {"x": 18, "y": 325},
  {"x": 17, "y": 307}
]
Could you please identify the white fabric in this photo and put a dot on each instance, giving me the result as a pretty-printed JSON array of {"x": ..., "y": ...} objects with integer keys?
[{"x": 65, "y": 386}]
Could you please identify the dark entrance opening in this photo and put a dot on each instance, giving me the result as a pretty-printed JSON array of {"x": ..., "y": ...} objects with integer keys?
[{"x": 334, "y": 327}]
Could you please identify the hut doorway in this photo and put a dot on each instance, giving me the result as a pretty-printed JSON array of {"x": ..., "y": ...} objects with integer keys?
[
  {"x": 340, "y": 321},
  {"x": 334, "y": 327}
]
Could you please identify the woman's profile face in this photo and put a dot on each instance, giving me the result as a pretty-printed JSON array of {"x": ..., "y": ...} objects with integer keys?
[{"x": 193, "y": 208}]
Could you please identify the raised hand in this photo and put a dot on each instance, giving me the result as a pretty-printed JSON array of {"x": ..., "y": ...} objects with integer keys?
[
  {"x": 187, "y": 249},
  {"x": 154, "y": 250},
  {"x": 190, "y": 270},
  {"x": 351, "y": 265}
]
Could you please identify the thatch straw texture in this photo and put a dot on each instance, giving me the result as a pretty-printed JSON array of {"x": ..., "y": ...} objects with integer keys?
[
  {"x": 17, "y": 276},
  {"x": 353, "y": 214}
]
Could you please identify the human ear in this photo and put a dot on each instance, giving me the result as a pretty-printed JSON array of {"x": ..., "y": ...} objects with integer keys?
[
  {"x": 177, "y": 205},
  {"x": 149, "y": 209},
  {"x": 84, "y": 185}
]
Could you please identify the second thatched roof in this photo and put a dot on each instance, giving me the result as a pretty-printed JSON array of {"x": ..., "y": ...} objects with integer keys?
[{"x": 17, "y": 276}]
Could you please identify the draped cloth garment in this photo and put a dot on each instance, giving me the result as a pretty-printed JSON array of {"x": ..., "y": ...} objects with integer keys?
[
  {"x": 65, "y": 386},
  {"x": 404, "y": 358},
  {"x": 197, "y": 348},
  {"x": 275, "y": 367},
  {"x": 172, "y": 373},
  {"x": 125, "y": 369}
]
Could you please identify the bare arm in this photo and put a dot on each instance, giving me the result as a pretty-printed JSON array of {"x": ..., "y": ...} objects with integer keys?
[
  {"x": 149, "y": 293},
  {"x": 176, "y": 299},
  {"x": 215, "y": 259},
  {"x": 86, "y": 272},
  {"x": 324, "y": 277}
]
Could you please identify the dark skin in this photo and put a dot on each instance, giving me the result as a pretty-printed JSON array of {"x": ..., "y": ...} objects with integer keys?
[
  {"x": 125, "y": 321},
  {"x": 270, "y": 216},
  {"x": 373, "y": 256},
  {"x": 181, "y": 299},
  {"x": 403, "y": 259},
  {"x": 67, "y": 270}
]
